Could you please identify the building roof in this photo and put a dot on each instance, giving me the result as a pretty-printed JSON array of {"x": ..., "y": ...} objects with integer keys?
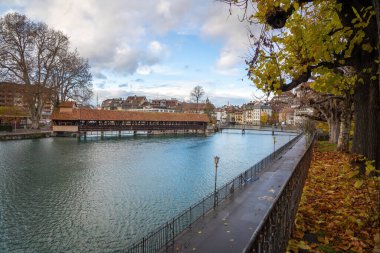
[
  {"x": 67, "y": 104},
  {"x": 91, "y": 114},
  {"x": 287, "y": 110}
]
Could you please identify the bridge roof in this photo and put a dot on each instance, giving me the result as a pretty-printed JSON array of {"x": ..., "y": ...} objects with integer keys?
[{"x": 92, "y": 114}]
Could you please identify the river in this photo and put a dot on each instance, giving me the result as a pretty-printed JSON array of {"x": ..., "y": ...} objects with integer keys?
[{"x": 65, "y": 195}]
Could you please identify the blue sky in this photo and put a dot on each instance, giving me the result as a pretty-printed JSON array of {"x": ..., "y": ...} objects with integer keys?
[{"x": 157, "y": 48}]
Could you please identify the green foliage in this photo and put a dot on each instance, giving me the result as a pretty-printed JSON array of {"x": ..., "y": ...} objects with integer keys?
[{"x": 325, "y": 146}]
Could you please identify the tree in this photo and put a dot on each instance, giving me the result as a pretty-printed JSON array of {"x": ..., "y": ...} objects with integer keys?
[
  {"x": 197, "y": 93},
  {"x": 319, "y": 37},
  {"x": 73, "y": 79},
  {"x": 36, "y": 56},
  {"x": 264, "y": 118},
  {"x": 209, "y": 109},
  {"x": 336, "y": 110}
]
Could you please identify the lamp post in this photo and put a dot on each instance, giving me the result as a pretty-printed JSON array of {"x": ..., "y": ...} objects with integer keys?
[{"x": 216, "y": 161}]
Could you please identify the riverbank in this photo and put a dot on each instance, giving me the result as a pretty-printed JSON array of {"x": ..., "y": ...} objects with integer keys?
[
  {"x": 338, "y": 211},
  {"x": 21, "y": 134}
]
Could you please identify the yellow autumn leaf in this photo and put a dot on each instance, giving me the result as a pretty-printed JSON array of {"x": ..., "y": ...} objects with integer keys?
[
  {"x": 358, "y": 183},
  {"x": 352, "y": 174},
  {"x": 303, "y": 245}
]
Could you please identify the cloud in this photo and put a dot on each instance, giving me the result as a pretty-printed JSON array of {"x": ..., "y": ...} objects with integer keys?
[
  {"x": 125, "y": 38},
  {"x": 229, "y": 28},
  {"x": 99, "y": 75},
  {"x": 123, "y": 85},
  {"x": 118, "y": 36},
  {"x": 158, "y": 69},
  {"x": 122, "y": 36},
  {"x": 100, "y": 85}
]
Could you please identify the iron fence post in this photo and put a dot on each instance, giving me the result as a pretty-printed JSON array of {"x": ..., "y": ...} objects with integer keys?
[{"x": 203, "y": 207}]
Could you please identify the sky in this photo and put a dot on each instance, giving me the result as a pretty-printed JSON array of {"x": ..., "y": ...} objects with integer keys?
[{"x": 156, "y": 48}]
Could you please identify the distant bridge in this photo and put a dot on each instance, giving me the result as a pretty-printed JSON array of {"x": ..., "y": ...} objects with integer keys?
[{"x": 253, "y": 127}]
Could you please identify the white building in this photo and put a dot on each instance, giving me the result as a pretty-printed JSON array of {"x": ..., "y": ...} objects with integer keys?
[
  {"x": 300, "y": 114},
  {"x": 221, "y": 116}
]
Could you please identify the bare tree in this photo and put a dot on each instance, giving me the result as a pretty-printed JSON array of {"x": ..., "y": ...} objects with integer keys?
[
  {"x": 32, "y": 54},
  {"x": 197, "y": 93},
  {"x": 73, "y": 79}
]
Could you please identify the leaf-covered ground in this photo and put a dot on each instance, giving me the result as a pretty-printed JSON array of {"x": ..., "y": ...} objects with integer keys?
[{"x": 338, "y": 210}]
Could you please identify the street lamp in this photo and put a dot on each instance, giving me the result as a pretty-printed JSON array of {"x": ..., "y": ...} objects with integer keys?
[{"x": 216, "y": 161}]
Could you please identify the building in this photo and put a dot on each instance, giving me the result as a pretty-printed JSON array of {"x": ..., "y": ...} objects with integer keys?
[
  {"x": 301, "y": 114},
  {"x": 221, "y": 116},
  {"x": 239, "y": 119},
  {"x": 164, "y": 103},
  {"x": 256, "y": 113},
  {"x": 286, "y": 116},
  {"x": 112, "y": 104},
  {"x": 261, "y": 114},
  {"x": 248, "y": 111},
  {"x": 135, "y": 102},
  {"x": 279, "y": 102},
  {"x": 192, "y": 107},
  {"x": 13, "y": 95},
  {"x": 285, "y": 98}
]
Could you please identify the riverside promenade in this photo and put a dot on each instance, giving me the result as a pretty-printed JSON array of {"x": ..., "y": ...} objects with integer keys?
[
  {"x": 21, "y": 134},
  {"x": 234, "y": 222}
]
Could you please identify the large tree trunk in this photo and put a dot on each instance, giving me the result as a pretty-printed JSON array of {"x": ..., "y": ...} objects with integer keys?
[
  {"x": 333, "y": 122},
  {"x": 334, "y": 129},
  {"x": 345, "y": 125},
  {"x": 36, "y": 104},
  {"x": 35, "y": 117},
  {"x": 367, "y": 120},
  {"x": 344, "y": 136}
]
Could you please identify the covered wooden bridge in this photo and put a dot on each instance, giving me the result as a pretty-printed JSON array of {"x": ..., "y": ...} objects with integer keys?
[{"x": 70, "y": 119}]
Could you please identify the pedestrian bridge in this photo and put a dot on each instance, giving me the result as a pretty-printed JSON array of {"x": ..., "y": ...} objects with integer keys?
[
  {"x": 70, "y": 119},
  {"x": 243, "y": 128}
]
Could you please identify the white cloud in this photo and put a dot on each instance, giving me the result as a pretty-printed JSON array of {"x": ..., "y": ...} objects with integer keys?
[
  {"x": 122, "y": 38},
  {"x": 144, "y": 70},
  {"x": 233, "y": 31},
  {"x": 163, "y": 8},
  {"x": 120, "y": 35},
  {"x": 155, "y": 48}
]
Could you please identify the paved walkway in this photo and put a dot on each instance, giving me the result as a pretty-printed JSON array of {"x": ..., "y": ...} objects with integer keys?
[
  {"x": 231, "y": 226},
  {"x": 25, "y": 131}
]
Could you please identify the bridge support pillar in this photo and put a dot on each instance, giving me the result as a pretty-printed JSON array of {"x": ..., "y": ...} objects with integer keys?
[
  {"x": 134, "y": 132},
  {"x": 85, "y": 135},
  {"x": 119, "y": 133},
  {"x": 101, "y": 134}
]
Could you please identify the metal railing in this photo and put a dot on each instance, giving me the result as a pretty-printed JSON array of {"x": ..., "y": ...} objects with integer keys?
[
  {"x": 164, "y": 236},
  {"x": 273, "y": 233}
]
